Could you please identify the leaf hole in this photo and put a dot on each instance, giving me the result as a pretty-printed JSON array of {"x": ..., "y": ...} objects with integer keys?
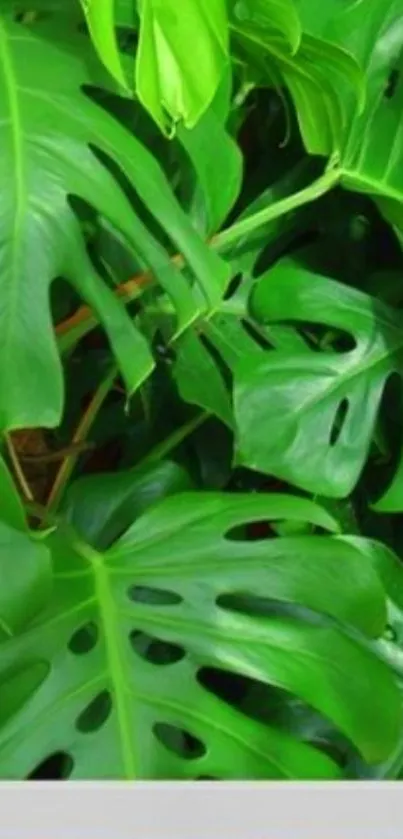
[
  {"x": 390, "y": 634},
  {"x": 57, "y": 767},
  {"x": 84, "y": 639},
  {"x": 255, "y": 531},
  {"x": 339, "y": 422},
  {"x": 392, "y": 84},
  {"x": 144, "y": 212},
  {"x": 230, "y": 687},
  {"x": 322, "y": 338},
  {"x": 254, "y": 699},
  {"x": 154, "y": 596},
  {"x": 95, "y": 714},
  {"x": 256, "y": 335},
  {"x": 217, "y": 359},
  {"x": 260, "y": 606},
  {"x": 233, "y": 286},
  {"x": 154, "y": 649},
  {"x": 179, "y": 741}
]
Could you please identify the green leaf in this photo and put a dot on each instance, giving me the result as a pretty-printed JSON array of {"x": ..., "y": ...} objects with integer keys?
[
  {"x": 25, "y": 578},
  {"x": 100, "y": 16},
  {"x": 175, "y": 42},
  {"x": 320, "y": 75},
  {"x": 32, "y": 11},
  {"x": 49, "y": 131},
  {"x": 308, "y": 417},
  {"x": 372, "y": 160},
  {"x": 25, "y": 566},
  {"x": 11, "y": 509},
  {"x": 277, "y": 18},
  {"x": 217, "y": 163},
  {"x": 162, "y": 601},
  {"x": 126, "y": 13},
  {"x": 101, "y": 507},
  {"x": 199, "y": 380}
]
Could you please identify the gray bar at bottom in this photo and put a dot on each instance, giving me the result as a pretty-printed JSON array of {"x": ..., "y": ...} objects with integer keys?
[{"x": 34, "y": 810}]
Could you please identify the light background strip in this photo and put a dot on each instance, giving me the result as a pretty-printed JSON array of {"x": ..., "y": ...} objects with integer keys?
[{"x": 201, "y": 811}]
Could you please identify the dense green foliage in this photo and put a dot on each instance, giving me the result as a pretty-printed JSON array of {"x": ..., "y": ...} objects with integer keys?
[{"x": 201, "y": 363}]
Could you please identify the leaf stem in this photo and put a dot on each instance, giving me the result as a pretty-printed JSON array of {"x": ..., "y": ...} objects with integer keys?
[
  {"x": 19, "y": 473},
  {"x": 86, "y": 421},
  {"x": 305, "y": 196},
  {"x": 76, "y": 326},
  {"x": 174, "y": 440}
]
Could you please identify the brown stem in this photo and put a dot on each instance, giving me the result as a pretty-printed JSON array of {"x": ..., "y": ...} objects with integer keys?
[
  {"x": 19, "y": 474},
  {"x": 81, "y": 432}
]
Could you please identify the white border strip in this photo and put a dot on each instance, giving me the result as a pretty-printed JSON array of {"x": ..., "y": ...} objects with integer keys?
[{"x": 63, "y": 810}]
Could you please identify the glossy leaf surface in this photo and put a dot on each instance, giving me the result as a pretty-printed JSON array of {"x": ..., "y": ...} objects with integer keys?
[
  {"x": 50, "y": 132},
  {"x": 154, "y": 606},
  {"x": 175, "y": 42},
  {"x": 309, "y": 416}
]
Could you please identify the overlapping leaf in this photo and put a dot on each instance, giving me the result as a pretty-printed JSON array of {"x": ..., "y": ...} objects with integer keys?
[
  {"x": 216, "y": 160},
  {"x": 181, "y": 58},
  {"x": 100, "y": 15},
  {"x": 371, "y": 31},
  {"x": 109, "y": 674},
  {"x": 320, "y": 75},
  {"x": 309, "y": 416},
  {"x": 49, "y": 131}
]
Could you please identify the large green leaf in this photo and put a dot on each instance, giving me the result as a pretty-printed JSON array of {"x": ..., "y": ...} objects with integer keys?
[
  {"x": 49, "y": 130},
  {"x": 309, "y": 416},
  {"x": 88, "y": 678},
  {"x": 389, "y": 568},
  {"x": 181, "y": 58}
]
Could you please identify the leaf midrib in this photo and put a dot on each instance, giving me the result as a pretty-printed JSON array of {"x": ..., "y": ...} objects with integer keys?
[{"x": 116, "y": 668}]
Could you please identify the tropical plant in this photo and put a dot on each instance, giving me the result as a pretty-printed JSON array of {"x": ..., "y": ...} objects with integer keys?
[{"x": 201, "y": 362}]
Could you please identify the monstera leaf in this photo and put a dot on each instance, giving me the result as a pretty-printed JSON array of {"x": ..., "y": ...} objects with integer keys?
[
  {"x": 372, "y": 159},
  {"x": 110, "y": 675},
  {"x": 51, "y": 135},
  {"x": 327, "y": 401},
  {"x": 320, "y": 74},
  {"x": 370, "y": 152}
]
